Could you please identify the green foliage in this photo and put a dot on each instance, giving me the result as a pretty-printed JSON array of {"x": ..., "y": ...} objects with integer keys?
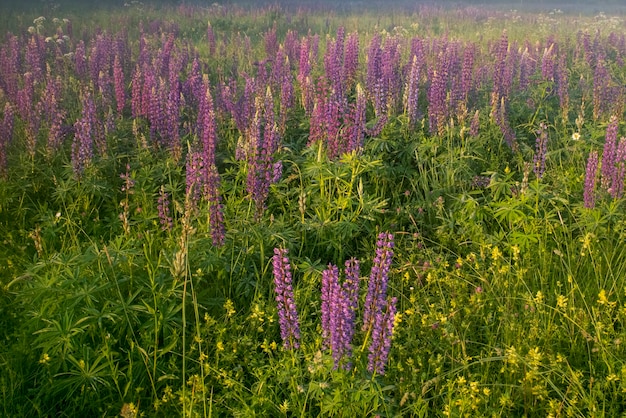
[{"x": 511, "y": 293}]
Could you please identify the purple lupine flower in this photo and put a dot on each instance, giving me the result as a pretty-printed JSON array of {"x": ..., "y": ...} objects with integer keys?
[
  {"x": 9, "y": 66},
  {"x": 411, "y": 91},
  {"x": 437, "y": 103},
  {"x": 82, "y": 147},
  {"x": 357, "y": 120},
  {"x": 304, "y": 67},
  {"x": 317, "y": 129},
  {"x": 118, "y": 79},
  {"x": 283, "y": 81},
  {"x": 34, "y": 57},
  {"x": 193, "y": 178},
  {"x": 80, "y": 59},
  {"x": 541, "y": 149},
  {"x": 526, "y": 68},
  {"x": 609, "y": 153},
  {"x": 55, "y": 131},
  {"x": 377, "y": 285},
  {"x": 333, "y": 65},
  {"x": 330, "y": 277},
  {"x": 563, "y": 85},
  {"x": 25, "y": 99},
  {"x": 382, "y": 331},
  {"x": 350, "y": 288},
  {"x": 173, "y": 105},
  {"x": 351, "y": 58},
  {"x": 210, "y": 36},
  {"x": 332, "y": 124},
  {"x": 475, "y": 125},
  {"x": 339, "y": 310},
  {"x": 467, "y": 72},
  {"x": 547, "y": 63},
  {"x": 601, "y": 89},
  {"x": 374, "y": 68},
  {"x": 378, "y": 126},
  {"x": 210, "y": 175},
  {"x": 277, "y": 171},
  {"x": 292, "y": 45},
  {"x": 287, "y": 312},
  {"x": 500, "y": 118},
  {"x": 589, "y": 51},
  {"x": 53, "y": 113},
  {"x": 617, "y": 183},
  {"x": 392, "y": 81},
  {"x": 163, "y": 207},
  {"x": 136, "y": 103},
  {"x": 271, "y": 42},
  {"x": 216, "y": 210},
  {"x": 149, "y": 85},
  {"x": 589, "y": 193}
]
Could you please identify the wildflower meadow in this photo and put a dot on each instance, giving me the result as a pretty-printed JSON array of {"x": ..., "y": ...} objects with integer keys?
[{"x": 312, "y": 209}]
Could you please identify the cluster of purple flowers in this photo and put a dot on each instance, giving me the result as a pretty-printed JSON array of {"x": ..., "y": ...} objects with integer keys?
[
  {"x": 610, "y": 168},
  {"x": 82, "y": 148},
  {"x": 339, "y": 304},
  {"x": 378, "y": 281},
  {"x": 287, "y": 313}
]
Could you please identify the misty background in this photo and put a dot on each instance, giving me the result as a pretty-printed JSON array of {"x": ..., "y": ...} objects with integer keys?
[{"x": 568, "y": 6}]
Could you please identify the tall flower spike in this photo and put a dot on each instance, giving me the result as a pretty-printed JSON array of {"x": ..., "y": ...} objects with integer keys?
[
  {"x": 287, "y": 312},
  {"x": 377, "y": 286},
  {"x": 381, "y": 338},
  {"x": 609, "y": 153}
]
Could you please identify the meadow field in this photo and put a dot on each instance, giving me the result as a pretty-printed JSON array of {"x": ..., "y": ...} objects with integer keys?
[{"x": 215, "y": 210}]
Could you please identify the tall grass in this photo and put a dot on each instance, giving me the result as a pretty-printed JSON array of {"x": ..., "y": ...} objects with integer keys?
[{"x": 155, "y": 159}]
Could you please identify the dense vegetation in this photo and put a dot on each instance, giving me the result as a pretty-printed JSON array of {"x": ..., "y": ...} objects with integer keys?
[{"x": 226, "y": 211}]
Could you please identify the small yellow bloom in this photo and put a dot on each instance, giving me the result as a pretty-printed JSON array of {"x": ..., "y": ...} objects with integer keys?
[
  {"x": 516, "y": 251},
  {"x": 220, "y": 346},
  {"x": 45, "y": 358},
  {"x": 604, "y": 300},
  {"x": 561, "y": 302},
  {"x": 229, "y": 307}
]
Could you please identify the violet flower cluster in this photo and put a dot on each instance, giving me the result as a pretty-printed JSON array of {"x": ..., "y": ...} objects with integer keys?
[
  {"x": 382, "y": 333},
  {"x": 339, "y": 305},
  {"x": 287, "y": 312},
  {"x": 613, "y": 167},
  {"x": 376, "y": 296},
  {"x": 82, "y": 147}
]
